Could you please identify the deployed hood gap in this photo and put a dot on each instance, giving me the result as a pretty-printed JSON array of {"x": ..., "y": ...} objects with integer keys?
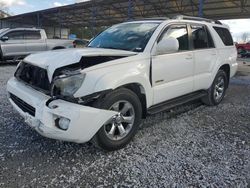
[{"x": 86, "y": 62}]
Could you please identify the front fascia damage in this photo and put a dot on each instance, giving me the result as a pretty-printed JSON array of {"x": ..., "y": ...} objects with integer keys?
[
  {"x": 29, "y": 75},
  {"x": 84, "y": 63},
  {"x": 86, "y": 100}
]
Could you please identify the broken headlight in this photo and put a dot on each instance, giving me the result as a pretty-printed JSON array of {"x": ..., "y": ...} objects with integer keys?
[{"x": 67, "y": 84}]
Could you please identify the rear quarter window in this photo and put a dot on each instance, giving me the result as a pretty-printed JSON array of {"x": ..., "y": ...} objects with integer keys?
[{"x": 225, "y": 36}]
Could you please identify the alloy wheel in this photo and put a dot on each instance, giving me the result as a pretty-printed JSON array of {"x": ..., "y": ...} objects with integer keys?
[
  {"x": 120, "y": 125},
  {"x": 219, "y": 88}
]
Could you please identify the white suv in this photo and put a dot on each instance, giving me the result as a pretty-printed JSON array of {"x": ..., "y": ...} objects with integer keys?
[{"x": 132, "y": 69}]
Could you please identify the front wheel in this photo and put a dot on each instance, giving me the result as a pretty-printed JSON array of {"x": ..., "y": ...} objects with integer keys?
[
  {"x": 121, "y": 128},
  {"x": 217, "y": 91}
]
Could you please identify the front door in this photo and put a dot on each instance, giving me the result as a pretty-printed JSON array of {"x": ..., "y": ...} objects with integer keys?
[
  {"x": 172, "y": 74},
  {"x": 15, "y": 45}
]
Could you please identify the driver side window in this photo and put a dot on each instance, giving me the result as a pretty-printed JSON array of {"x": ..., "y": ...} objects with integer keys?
[
  {"x": 15, "y": 35},
  {"x": 178, "y": 32}
]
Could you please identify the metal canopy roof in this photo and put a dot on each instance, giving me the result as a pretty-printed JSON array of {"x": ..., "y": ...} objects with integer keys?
[{"x": 107, "y": 12}]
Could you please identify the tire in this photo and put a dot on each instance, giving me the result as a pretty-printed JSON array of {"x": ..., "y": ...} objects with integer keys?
[
  {"x": 217, "y": 90},
  {"x": 109, "y": 137},
  {"x": 58, "y": 48}
]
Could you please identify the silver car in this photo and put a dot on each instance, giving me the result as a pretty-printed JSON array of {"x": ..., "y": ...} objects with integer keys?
[{"x": 20, "y": 42}]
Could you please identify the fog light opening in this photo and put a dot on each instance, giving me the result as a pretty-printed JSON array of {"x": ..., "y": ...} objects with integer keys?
[{"x": 63, "y": 123}]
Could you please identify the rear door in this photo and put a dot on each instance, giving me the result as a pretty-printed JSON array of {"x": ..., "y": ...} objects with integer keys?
[
  {"x": 205, "y": 56},
  {"x": 33, "y": 41},
  {"x": 15, "y": 45}
]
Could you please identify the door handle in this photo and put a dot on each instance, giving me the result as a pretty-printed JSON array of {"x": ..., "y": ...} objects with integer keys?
[{"x": 189, "y": 56}]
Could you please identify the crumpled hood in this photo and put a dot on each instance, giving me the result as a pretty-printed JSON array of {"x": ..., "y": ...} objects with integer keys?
[{"x": 53, "y": 60}]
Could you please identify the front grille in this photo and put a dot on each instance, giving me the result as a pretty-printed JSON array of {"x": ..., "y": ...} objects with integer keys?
[
  {"x": 23, "y": 105},
  {"x": 34, "y": 76}
]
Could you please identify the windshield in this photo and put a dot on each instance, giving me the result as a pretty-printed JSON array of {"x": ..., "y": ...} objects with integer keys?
[
  {"x": 2, "y": 30},
  {"x": 127, "y": 36}
]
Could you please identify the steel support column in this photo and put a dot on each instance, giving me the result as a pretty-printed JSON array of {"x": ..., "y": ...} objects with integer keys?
[
  {"x": 200, "y": 12},
  {"x": 93, "y": 21},
  {"x": 60, "y": 23},
  {"x": 38, "y": 20},
  {"x": 192, "y": 6},
  {"x": 130, "y": 9}
]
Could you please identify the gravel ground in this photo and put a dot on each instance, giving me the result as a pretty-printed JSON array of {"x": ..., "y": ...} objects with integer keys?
[{"x": 190, "y": 146}]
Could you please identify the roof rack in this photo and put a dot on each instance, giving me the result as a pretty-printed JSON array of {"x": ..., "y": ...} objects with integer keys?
[
  {"x": 183, "y": 17},
  {"x": 157, "y": 18},
  {"x": 149, "y": 19}
]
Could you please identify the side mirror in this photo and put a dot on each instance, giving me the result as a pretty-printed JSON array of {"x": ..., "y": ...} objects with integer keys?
[
  {"x": 4, "y": 38},
  {"x": 166, "y": 46}
]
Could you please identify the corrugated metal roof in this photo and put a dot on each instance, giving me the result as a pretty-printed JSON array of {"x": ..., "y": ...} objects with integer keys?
[{"x": 107, "y": 12}]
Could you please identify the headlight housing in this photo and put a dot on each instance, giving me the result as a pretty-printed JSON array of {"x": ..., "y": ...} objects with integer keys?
[{"x": 67, "y": 84}]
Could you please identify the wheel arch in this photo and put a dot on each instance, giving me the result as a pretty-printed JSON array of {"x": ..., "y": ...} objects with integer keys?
[
  {"x": 58, "y": 48},
  {"x": 226, "y": 69},
  {"x": 139, "y": 90}
]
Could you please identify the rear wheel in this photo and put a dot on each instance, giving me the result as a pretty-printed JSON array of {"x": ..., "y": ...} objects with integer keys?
[
  {"x": 58, "y": 48},
  {"x": 217, "y": 91},
  {"x": 121, "y": 128}
]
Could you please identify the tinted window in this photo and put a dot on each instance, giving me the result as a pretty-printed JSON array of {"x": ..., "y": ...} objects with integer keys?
[
  {"x": 201, "y": 37},
  {"x": 15, "y": 35},
  {"x": 32, "y": 35},
  {"x": 180, "y": 33},
  {"x": 225, "y": 36}
]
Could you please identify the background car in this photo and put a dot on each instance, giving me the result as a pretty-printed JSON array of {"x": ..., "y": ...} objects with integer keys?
[
  {"x": 20, "y": 42},
  {"x": 243, "y": 49}
]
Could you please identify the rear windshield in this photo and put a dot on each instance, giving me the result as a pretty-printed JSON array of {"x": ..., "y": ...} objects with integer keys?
[{"x": 225, "y": 36}]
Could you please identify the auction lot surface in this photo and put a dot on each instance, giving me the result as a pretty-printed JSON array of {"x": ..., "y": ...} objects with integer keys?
[{"x": 190, "y": 146}]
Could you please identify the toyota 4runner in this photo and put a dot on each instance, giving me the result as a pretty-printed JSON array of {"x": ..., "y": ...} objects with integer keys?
[{"x": 101, "y": 93}]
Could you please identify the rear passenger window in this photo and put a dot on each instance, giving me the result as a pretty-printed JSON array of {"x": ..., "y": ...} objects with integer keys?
[
  {"x": 225, "y": 36},
  {"x": 201, "y": 37},
  {"x": 32, "y": 35},
  {"x": 180, "y": 33}
]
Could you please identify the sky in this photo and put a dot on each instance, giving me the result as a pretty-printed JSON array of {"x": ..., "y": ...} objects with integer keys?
[
  {"x": 237, "y": 27},
  {"x": 23, "y": 6}
]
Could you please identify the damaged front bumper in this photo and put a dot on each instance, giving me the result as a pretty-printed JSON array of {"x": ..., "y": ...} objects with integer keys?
[{"x": 84, "y": 121}]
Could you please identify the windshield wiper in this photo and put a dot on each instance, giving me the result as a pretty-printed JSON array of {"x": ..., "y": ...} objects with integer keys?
[{"x": 110, "y": 47}]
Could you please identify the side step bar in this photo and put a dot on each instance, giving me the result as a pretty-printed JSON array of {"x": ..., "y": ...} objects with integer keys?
[{"x": 176, "y": 102}]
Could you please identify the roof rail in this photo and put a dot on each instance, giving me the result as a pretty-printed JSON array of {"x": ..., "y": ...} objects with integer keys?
[
  {"x": 157, "y": 18},
  {"x": 183, "y": 17},
  {"x": 149, "y": 19}
]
